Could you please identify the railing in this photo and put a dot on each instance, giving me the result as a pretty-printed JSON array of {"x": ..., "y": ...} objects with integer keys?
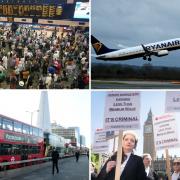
[
  {"x": 24, "y": 161},
  {"x": 4, "y": 164}
]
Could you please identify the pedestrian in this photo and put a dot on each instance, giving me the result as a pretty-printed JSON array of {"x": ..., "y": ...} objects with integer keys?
[
  {"x": 132, "y": 167},
  {"x": 77, "y": 155},
  {"x": 55, "y": 158},
  {"x": 176, "y": 168},
  {"x": 151, "y": 175},
  {"x": 88, "y": 154}
]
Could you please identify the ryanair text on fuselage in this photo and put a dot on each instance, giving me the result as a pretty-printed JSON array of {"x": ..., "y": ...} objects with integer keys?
[{"x": 163, "y": 45}]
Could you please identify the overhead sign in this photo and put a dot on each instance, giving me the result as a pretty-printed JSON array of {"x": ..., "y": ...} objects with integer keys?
[
  {"x": 82, "y": 10},
  {"x": 172, "y": 101},
  {"x": 64, "y": 11},
  {"x": 100, "y": 145},
  {"x": 122, "y": 110},
  {"x": 33, "y": 1},
  {"x": 165, "y": 131}
]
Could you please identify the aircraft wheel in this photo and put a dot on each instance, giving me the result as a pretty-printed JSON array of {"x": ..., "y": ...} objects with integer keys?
[{"x": 149, "y": 59}]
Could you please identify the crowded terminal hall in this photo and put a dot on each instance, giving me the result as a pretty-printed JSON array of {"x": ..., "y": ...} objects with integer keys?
[{"x": 41, "y": 56}]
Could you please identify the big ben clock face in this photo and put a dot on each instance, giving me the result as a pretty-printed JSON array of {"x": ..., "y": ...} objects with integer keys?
[{"x": 148, "y": 128}]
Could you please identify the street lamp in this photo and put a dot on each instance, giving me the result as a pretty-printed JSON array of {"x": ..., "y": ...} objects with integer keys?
[{"x": 32, "y": 112}]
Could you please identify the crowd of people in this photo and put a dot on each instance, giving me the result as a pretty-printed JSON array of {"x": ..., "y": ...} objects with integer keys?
[{"x": 34, "y": 58}]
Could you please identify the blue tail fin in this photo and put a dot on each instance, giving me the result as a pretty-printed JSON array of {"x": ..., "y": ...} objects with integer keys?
[{"x": 99, "y": 47}]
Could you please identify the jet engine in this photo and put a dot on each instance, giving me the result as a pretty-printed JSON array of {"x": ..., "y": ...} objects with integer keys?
[{"x": 162, "y": 53}]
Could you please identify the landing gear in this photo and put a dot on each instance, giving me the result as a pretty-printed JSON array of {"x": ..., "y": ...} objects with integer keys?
[
  {"x": 149, "y": 59},
  {"x": 144, "y": 57}
]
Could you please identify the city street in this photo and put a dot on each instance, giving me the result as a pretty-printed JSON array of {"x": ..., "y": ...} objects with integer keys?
[{"x": 68, "y": 169}]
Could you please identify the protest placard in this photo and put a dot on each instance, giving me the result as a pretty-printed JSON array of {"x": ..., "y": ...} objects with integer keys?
[
  {"x": 100, "y": 145},
  {"x": 165, "y": 131},
  {"x": 172, "y": 101},
  {"x": 122, "y": 110}
]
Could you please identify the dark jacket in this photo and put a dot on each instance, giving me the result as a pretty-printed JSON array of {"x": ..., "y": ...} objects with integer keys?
[
  {"x": 134, "y": 170},
  {"x": 55, "y": 156},
  {"x": 152, "y": 175}
]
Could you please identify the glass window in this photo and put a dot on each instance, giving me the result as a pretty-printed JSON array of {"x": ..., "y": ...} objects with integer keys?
[
  {"x": 40, "y": 133},
  {"x": 35, "y": 149},
  {"x": 31, "y": 130},
  {"x": 16, "y": 149},
  {"x": 0, "y": 122},
  {"x": 5, "y": 149},
  {"x": 35, "y": 131},
  {"x": 24, "y": 149},
  {"x": 25, "y": 129},
  {"x": 30, "y": 150},
  {"x": 18, "y": 127},
  {"x": 7, "y": 124}
]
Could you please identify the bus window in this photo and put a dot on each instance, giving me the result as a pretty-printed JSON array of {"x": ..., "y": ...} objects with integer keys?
[
  {"x": 40, "y": 133},
  {"x": 18, "y": 127},
  {"x": 16, "y": 149},
  {"x": 7, "y": 124},
  {"x": 35, "y": 131},
  {"x": 35, "y": 149},
  {"x": 38, "y": 149},
  {"x": 25, "y": 149},
  {"x": 5, "y": 149},
  {"x": 30, "y": 150},
  {"x": 25, "y": 129}
]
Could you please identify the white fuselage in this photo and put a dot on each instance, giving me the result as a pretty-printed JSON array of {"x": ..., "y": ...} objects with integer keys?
[{"x": 138, "y": 51}]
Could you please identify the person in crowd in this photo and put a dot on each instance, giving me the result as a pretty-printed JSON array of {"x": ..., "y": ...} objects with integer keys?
[
  {"x": 176, "y": 168},
  {"x": 77, "y": 154},
  {"x": 55, "y": 158},
  {"x": 88, "y": 154},
  {"x": 132, "y": 167},
  {"x": 151, "y": 175},
  {"x": 93, "y": 171}
]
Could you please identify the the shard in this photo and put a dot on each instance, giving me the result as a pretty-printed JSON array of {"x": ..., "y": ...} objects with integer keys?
[{"x": 43, "y": 121}]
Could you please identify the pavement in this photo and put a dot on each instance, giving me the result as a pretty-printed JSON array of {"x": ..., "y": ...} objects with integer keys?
[{"x": 68, "y": 169}]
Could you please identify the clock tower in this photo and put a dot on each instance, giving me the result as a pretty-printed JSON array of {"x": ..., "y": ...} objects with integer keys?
[{"x": 148, "y": 145}]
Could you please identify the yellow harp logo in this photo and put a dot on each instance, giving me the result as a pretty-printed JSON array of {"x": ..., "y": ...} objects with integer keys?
[{"x": 97, "y": 46}]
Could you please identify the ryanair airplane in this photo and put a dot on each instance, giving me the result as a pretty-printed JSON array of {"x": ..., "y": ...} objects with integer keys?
[{"x": 158, "y": 49}]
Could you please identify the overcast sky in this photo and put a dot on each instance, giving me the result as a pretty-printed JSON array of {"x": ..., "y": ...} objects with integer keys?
[
  {"x": 67, "y": 108},
  {"x": 130, "y": 23}
]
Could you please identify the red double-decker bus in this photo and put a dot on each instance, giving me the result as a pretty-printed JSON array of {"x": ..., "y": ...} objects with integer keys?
[{"x": 19, "y": 141}]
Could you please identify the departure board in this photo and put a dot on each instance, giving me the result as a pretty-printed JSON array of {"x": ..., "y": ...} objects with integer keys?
[
  {"x": 64, "y": 11},
  {"x": 33, "y": 1}
]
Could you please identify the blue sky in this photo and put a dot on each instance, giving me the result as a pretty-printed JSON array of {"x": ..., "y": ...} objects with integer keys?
[
  {"x": 149, "y": 99},
  {"x": 67, "y": 108},
  {"x": 130, "y": 23}
]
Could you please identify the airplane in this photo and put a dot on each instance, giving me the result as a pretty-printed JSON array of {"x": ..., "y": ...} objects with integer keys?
[{"x": 158, "y": 49}]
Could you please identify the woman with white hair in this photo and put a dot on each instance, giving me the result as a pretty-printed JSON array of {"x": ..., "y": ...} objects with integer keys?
[
  {"x": 132, "y": 167},
  {"x": 151, "y": 175}
]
